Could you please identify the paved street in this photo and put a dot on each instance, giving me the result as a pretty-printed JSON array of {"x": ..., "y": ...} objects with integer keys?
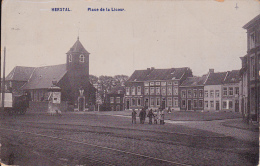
[{"x": 109, "y": 138}]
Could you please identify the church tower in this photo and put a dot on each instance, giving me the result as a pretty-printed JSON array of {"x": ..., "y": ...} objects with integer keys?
[{"x": 78, "y": 76}]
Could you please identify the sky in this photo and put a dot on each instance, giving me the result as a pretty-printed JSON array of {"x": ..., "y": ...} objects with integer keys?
[{"x": 199, "y": 34}]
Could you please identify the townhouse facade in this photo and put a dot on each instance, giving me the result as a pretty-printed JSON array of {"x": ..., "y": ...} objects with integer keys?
[
  {"x": 115, "y": 99},
  {"x": 154, "y": 88},
  {"x": 213, "y": 90},
  {"x": 250, "y": 71},
  {"x": 231, "y": 97},
  {"x": 192, "y": 93}
]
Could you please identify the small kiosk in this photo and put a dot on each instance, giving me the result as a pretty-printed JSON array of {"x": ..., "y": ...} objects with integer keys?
[{"x": 54, "y": 99}]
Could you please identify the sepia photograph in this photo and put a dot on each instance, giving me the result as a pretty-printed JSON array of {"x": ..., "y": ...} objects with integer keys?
[{"x": 134, "y": 83}]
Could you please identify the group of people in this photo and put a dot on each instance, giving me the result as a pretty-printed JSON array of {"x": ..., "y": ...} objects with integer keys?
[{"x": 157, "y": 116}]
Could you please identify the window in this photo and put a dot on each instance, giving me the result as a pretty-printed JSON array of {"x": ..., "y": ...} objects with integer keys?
[
  {"x": 139, "y": 102},
  {"x": 200, "y": 103},
  {"x": 206, "y": 104},
  {"x": 117, "y": 99},
  {"x": 252, "y": 67},
  {"x": 175, "y": 82},
  {"x": 70, "y": 58},
  {"x": 176, "y": 102},
  {"x": 81, "y": 58},
  {"x": 169, "y": 83},
  {"x": 146, "y": 83},
  {"x": 111, "y": 99},
  {"x": 194, "y": 93},
  {"x": 157, "y": 90},
  {"x": 157, "y": 83},
  {"x": 183, "y": 93},
  {"x": 163, "y": 83},
  {"x": 175, "y": 90},
  {"x": 225, "y": 91},
  {"x": 127, "y": 91},
  {"x": 211, "y": 93},
  {"x": 133, "y": 90},
  {"x": 169, "y": 99},
  {"x": 169, "y": 90},
  {"x": 152, "y": 91},
  {"x": 230, "y": 103},
  {"x": 157, "y": 101},
  {"x": 237, "y": 90},
  {"x": 206, "y": 93},
  {"x": 212, "y": 104},
  {"x": 133, "y": 102},
  {"x": 163, "y": 91},
  {"x": 152, "y": 101},
  {"x": 189, "y": 93},
  {"x": 252, "y": 40},
  {"x": 195, "y": 103},
  {"x": 151, "y": 83},
  {"x": 138, "y": 90},
  {"x": 224, "y": 104},
  {"x": 200, "y": 93},
  {"x": 217, "y": 93},
  {"x": 146, "y": 91},
  {"x": 230, "y": 91},
  {"x": 183, "y": 103}
]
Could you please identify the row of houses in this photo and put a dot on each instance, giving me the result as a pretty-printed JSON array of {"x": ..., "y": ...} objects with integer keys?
[{"x": 178, "y": 89}]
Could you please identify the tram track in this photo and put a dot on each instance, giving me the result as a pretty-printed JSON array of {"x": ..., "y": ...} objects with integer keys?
[{"x": 100, "y": 147}]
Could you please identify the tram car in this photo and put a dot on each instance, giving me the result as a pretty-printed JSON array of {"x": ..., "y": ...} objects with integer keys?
[{"x": 14, "y": 104}]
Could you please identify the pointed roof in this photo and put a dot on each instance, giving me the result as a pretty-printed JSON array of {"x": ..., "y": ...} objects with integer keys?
[
  {"x": 20, "y": 73},
  {"x": 78, "y": 47},
  {"x": 194, "y": 81},
  {"x": 232, "y": 77},
  {"x": 42, "y": 77},
  {"x": 216, "y": 78},
  {"x": 157, "y": 74}
]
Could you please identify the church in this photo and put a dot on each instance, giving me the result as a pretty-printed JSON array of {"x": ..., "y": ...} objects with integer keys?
[{"x": 77, "y": 93}]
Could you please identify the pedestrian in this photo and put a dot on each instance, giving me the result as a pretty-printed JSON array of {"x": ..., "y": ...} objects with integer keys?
[
  {"x": 150, "y": 115},
  {"x": 134, "y": 117},
  {"x": 144, "y": 114},
  {"x": 161, "y": 117},
  {"x": 155, "y": 116},
  {"x": 141, "y": 114}
]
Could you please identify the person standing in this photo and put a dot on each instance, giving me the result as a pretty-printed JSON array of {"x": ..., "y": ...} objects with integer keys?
[
  {"x": 141, "y": 116},
  {"x": 161, "y": 117},
  {"x": 144, "y": 114},
  {"x": 134, "y": 117},
  {"x": 150, "y": 115}
]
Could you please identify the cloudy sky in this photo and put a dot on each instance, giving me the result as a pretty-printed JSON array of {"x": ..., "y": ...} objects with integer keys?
[{"x": 162, "y": 34}]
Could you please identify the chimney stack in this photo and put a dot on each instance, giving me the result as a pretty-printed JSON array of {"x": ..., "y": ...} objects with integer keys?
[{"x": 211, "y": 70}]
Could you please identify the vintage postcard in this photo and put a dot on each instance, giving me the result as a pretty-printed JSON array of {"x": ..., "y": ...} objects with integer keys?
[{"x": 106, "y": 82}]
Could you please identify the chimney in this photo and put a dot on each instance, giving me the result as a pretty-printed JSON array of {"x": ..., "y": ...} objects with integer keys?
[
  {"x": 152, "y": 68},
  {"x": 211, "y": 70},
  {"x": 148, "y": 69}
]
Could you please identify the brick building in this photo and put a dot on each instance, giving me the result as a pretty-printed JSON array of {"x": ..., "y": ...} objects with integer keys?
[
  {"x": 250, "y": 71},
  {"x": 70, "y": 77},
  {"x": 155, "y": 88}
]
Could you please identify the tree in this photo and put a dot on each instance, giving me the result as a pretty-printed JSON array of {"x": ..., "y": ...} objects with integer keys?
[
  {"x": 120, "y": 79},
  {"x": 93, "y": 79},
  {"x": 105, "y": 83}
]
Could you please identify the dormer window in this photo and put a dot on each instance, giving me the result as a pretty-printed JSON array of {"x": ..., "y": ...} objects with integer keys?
[
  {"x": 81, "y": 58},
  {"x": 70, "y": 58}
]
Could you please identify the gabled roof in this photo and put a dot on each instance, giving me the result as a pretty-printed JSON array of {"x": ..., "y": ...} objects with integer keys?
[
  {"x": 216, "y": 78},
  {"x": 251, "y": 22},
  {"x": 157, "y": 74},
  {"x": 117, "y": 90},
  {"x": 20, "y": 73},
  {"x": 232, "y": 77},
  {"x": 78, "y": 47},
  {"x": 194, "y": 81},
  {"x": 42, "y": 77}
]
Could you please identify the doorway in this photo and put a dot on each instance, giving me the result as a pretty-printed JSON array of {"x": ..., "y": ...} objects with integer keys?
[
  {"x": 81, "y": 104},
  {"x": 217, "y": 105},
  {"x": 189, "y": 104}
]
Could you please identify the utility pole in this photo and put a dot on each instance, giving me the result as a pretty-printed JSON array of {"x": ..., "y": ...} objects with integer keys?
[{"x": 3, "y": 83}]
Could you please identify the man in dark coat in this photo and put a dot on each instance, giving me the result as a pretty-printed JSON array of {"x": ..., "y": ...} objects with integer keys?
[
  {"x": 150, "y": 115},
  {"x": 141, "y": 114},
  {"x": 134, "y": 116}
]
